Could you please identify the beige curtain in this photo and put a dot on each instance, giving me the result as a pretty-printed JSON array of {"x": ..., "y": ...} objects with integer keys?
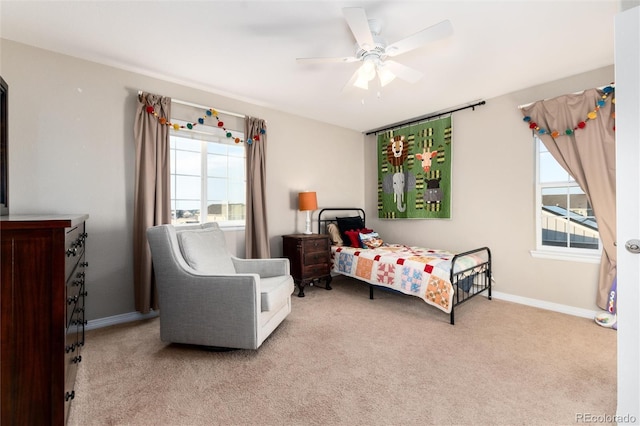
[
  {"x": 256, "y": 231},
  {"x": 152, "y": 192},
  {"x": 588, "y": 154}
]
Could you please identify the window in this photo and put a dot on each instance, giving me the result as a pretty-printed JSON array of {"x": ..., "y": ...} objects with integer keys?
[
  {"x": 566, "y": 226},
  {"x": 207, "y": 176}
]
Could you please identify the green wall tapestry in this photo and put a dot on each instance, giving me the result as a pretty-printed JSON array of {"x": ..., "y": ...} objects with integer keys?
[{"x": 414, "y": 171}]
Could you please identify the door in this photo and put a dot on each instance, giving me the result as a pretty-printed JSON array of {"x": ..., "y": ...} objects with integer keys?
[{"x": 627, "y": 65}]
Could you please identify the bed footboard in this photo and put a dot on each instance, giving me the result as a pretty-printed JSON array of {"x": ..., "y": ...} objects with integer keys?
[{"x": 470, "y": 281}]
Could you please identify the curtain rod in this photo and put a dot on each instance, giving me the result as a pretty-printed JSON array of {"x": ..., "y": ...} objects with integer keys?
[
  {"x": 191, "y": 104},
  {"x": 574, "y": 93},
  {"x": 423, "y": 118}
]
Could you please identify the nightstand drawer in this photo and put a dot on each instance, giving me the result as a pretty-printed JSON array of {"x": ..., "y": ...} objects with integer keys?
[
  {"x": 313, "y": 271},
  {"x": 316, "y": 245},
  {"x": 316, "y": 257}
]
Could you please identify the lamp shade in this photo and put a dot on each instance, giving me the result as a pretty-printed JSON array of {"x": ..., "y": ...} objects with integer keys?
[{"x": 307, "y": 201}]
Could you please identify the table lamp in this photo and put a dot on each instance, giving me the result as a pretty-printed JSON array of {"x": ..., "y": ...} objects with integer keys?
[{"x": 307, "y": 201}]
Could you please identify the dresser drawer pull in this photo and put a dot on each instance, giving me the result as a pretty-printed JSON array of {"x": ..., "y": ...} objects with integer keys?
[
  {"x": 71, "y": 348},
  {"x": 84, "y": 264},
  {"x": 72, "y": 252},
  {"x": 79, "y": 322},
  {"x": 78, "y": 310},
  {"x": 72, "y": 300},
  {"x": 77, "y": 283},
  {"x": 69, "y": 395},
  {"x": 84, "y": 293},
  {"x": 76, "y": 359}
]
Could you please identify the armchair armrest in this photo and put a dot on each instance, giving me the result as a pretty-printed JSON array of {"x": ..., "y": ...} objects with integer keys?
[
  {"x": 221, "y": 310},
  {"x": 265, "y": 268}
]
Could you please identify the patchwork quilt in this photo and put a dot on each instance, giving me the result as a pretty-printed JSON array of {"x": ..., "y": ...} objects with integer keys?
[{"x": 416, "y": 271}]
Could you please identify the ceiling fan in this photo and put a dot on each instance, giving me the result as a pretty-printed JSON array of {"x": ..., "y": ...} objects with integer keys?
[{"x": 373, "y": 50}]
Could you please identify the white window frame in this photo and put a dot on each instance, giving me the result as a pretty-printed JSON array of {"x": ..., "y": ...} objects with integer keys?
[
  {"x": 206, "y": 134},
  {"x": 552, "y": 252}
]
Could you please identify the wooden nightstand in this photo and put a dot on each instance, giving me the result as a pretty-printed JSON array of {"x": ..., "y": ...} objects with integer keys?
[{"x": 310, "y": 258}]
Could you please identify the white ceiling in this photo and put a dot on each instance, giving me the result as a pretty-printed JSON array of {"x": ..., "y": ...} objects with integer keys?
[{"x": 248, "y": 49}]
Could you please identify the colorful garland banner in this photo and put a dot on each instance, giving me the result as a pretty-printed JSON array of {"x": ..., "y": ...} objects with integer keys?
[
  {"x": 209, "y": 113},
  {"x": 414, "y": 171},
  {"x": 592, "y": 115}
]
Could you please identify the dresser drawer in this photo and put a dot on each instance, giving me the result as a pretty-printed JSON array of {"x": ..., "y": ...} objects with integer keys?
[
  {"x": 74, "y": 247},
  {"x": 72, "y": 351},
  {"x": 75, "y": 290},
  {"x": 73, "y": 357}
]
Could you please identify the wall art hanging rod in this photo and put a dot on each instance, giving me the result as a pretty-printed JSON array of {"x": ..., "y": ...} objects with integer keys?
[
  {"x": 423, "y": 118},
  {"x": 191, "y": 104}
]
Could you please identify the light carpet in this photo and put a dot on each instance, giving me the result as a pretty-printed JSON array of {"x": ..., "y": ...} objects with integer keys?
[{"x": 342, "y": 359}]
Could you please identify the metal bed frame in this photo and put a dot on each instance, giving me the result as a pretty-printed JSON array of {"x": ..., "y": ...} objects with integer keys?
[{"x": 467, "y": 283}]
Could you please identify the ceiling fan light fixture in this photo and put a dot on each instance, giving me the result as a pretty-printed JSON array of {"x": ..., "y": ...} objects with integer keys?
[
  {"x": 385, "y": 75},
  {"x": 361, "y": 82},
  {"x": 368, "y": 69}
]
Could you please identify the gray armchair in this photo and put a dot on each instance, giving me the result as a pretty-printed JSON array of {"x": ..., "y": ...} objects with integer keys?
[{"x": 209, "y": 297}]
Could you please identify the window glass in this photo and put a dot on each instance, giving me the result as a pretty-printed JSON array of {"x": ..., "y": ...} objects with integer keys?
[
  {"x": 565, "y": 217},
  {"x": 550, "y": 170},
  {"x": 207, "y": 176}
]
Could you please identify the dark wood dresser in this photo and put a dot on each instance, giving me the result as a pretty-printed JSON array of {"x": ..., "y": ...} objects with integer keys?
[
  {"x": 42, "y": 300},
  {"x": 310, "y": 258}
]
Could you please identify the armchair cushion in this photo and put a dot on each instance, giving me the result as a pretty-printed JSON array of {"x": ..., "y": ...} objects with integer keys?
[
  {"x": 274, "y": 292},
  {"x": 205, "y": 250}
]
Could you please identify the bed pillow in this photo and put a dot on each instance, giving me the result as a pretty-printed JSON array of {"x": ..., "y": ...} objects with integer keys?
[
  {"x": 354, "y": 237},
  {"x": 349, "y": 224},
  {"x": 370, "y": 240},
  {"x": 334, "y": 234}
]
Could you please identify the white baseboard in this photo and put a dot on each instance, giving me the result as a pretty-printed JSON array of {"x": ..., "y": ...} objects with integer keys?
[
  {"x": 119, "y": 319},
  {"x": 550, "y": 306}
]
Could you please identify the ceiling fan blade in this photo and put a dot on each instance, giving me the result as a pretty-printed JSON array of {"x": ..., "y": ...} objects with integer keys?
[
  {"x": 344, "y": 59},
  {"x": 357, "y": 20},
  {"x": 433, "y": 33},
  {"x": 403, "y": 72}
]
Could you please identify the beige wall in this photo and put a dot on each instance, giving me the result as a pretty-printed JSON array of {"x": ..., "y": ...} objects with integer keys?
[
  {"x": 72, "y": 151},
  {"x": 493, "y": 199}
]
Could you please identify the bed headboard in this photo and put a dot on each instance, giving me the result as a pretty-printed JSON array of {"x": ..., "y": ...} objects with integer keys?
[{"x": 328, "y": 215}]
